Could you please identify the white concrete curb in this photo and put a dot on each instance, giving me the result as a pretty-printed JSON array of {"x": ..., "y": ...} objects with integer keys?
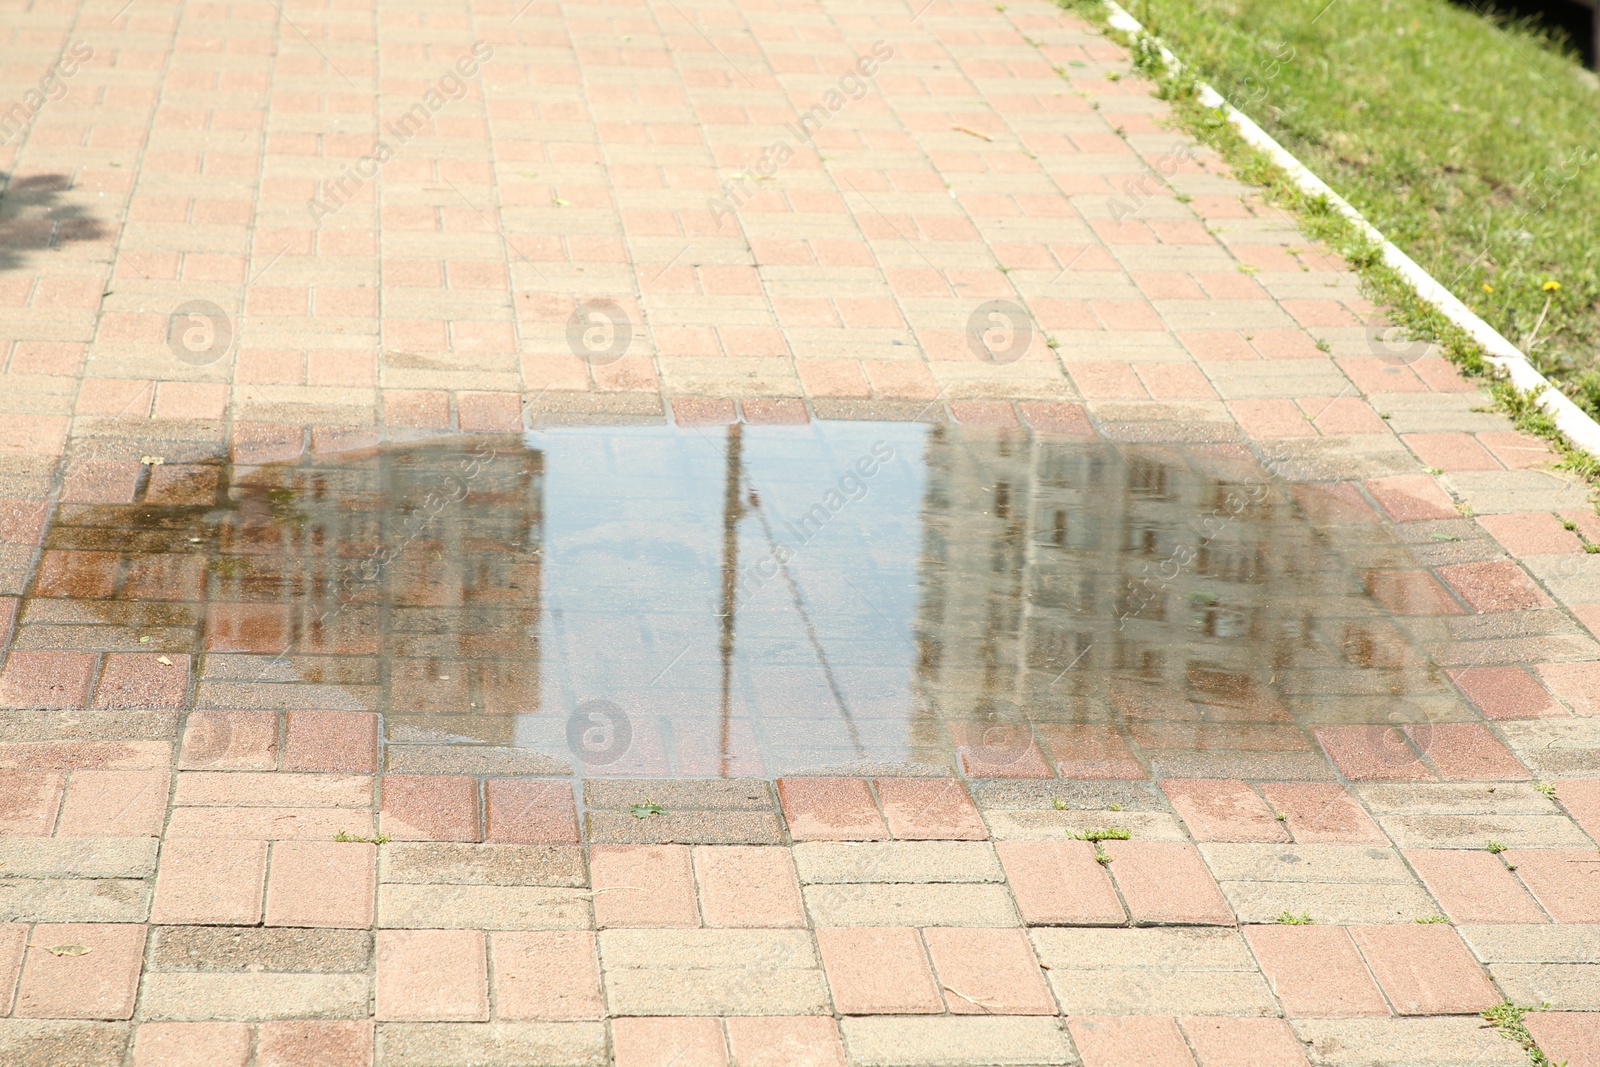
[{"x": 1573, "y": 422}]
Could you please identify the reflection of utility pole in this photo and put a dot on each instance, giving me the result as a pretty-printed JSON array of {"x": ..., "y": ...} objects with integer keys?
[{"x": 732, "y": 512}]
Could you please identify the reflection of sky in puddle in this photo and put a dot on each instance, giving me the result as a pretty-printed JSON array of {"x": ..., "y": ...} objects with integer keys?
[
  {"x": 783, "y": 558},
  {"x": 762, "y": 600}
]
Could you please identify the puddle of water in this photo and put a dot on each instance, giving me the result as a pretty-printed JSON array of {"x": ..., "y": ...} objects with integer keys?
[{"x": 754, "y": 600}]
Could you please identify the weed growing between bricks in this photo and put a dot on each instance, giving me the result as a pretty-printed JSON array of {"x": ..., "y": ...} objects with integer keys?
[
  {"x": 1318, "y": 219},
  {"x": 1507, "y": 1020}
]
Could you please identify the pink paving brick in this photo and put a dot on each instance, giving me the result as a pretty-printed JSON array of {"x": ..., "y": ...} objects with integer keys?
[
  {"x": 1315, "y": 971},
  {"x": 1322, "y": 813},
  {"x": 1566, "y": 1037},
  {"x": 210, "y": 882},
  {"x": 1166, "y": 882},
  {"x": 431, "y": 976},
  {"x": 1089, "y": 751},
  {"x": 1412, "y": 497},
  {"x": 229, "y": 741},
  {"x": 331, "y": 741},
  {"x": 1474, "y": 886},
  {"x": 114, "y": 804},
  {"x": 878, "y": 970},
  {"x": 1451, "y": 451},
  {"x": 657, "y": 1042},
  {"x": 429, "y": 808},
  {"x": 1465, "y": 751},
  {"x": 322, "y": 883},
  {"x": 35, "y": 679},
  {"x": 1565, "y": 880},
  {"x": 192, "y": 1045},
  {"x": 1271, "y": 418},
  {"x": 1576, "y": 684},
  {"x": 785, "y": 1041},
  {"x": 1411, "y": 592},
  {"x": 1225, "y": 1041},
  {"x": 529, "y": 812},
  {"x": 1070, "y": 420},
  {"x": 98, "y": 984},
  {"x": 987, "y": 971},
  {"x": 1372, "y": 753},
  {"x": 1581, "y": 798},
  {"x": 997, "y": 750},
  {"x": 30, "y": 802},
  {"x": 930, "y": 809},
  {"x": 1129, "y": 1041},
  {"x": 1425, "y": 969},
  {"x": 1531, "y": 534},
  {"x": 1059, "y": 883},
  {"x": 1222, "y": 810},
  {"x": 748, "y": 886},
  {"x": 311, "y": 1043},
  {"x": 136, "y": 680},
  {"x": 643, "y": 885},
  {"x": 546, "y": 974},
  {"x": 1494, "y": 585},
  {"x": 830, "y": 809},
  {"x": 1505, "y": 692},
  {"x": 1342, "y": 415}
]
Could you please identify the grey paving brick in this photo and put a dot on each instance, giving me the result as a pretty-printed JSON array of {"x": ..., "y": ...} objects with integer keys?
[
  {"x": 251, "y": 949},
  {"x": 254, "y": 996},
  {"x": 903, "y": 904},
  {"x": 496, "y": 1044},
  {"x": 897, "y": 861},
  {"x": 482, "y": 907},
  {"x": 1437, "y": 1042},
  {"x": 955, "y": 1041},
  {"x": 472, "y": 864}
]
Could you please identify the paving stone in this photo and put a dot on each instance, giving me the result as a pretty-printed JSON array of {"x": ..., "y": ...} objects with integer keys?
[
  {"x": 1562, "y": 880},
  {"x": 100, "y": 983},
  {"x": 1224, "y": 1042},
  {"x": 1166, "y": 882},
  {"x": 1316, "y": 971},
  {"x": 1053, "y": 825},
  {"x": 253, "y": 949},
  {"x": 482, "y": 907},
  {"x": 192, "y": 1045},
  {"x": 645, "y": 1042},
  {"x": 431, "y": 976},
  {"x": 98, "y": 900},
  {"x": 254, "y": 996},
  {"x": 546, "y": 974},
  {"x": 643, "y": 885},
  {"x": 496, "y": 1044},
  {"x": 100, "y": 857},
  {"x": 711, "y": 972},
  {"x": 1222, "y": 810},
  {"x": 685, "y": 828},
  {"x": 1439, "y": 1042},
  {"x": 909, "y": 904},
  {"x": 1425, "y": 970},
  {"x": 987, "y": 971},
  {"x": 830, "y": 809},
  {"x": 321, "y": 884},
  {"x": 300, "y": 1043},
  {"x": 52, "y": 1043},
  {"x": 210, "y": 882},
  {"x": 747, "y": 886},
  {"x": 1117, "y": 1040},
  {"x": 490, "y": 864},
  {"x": 878, "y": 970},
  {"x": 896, "y": 861},
  {"x": 1060, "y": 882},
  {"x": 796, "y": 1041},
  {"x": 1566, "y": 1037},
  {"x": 1174, "y": 971},
  {"x": 951, "y": 1041},
  {"x": 1322, "y": 813}
]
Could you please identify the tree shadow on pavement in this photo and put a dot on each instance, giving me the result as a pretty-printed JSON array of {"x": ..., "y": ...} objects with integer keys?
[{"x": 32, "y": 217}]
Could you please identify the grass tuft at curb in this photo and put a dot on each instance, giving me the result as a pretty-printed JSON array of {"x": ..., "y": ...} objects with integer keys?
[{"x": 1319, "y": 218}]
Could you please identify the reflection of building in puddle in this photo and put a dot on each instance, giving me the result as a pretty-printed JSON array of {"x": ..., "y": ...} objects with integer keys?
[
  {"x": 403, "y": 580},
  {"x": 1103, "y": 602}
]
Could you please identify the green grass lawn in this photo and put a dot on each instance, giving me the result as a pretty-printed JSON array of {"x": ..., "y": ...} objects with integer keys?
[{"x": 1471, "y": 142}]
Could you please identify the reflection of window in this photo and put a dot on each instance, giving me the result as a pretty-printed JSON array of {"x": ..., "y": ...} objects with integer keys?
[{"x": 1148, "y": 479}]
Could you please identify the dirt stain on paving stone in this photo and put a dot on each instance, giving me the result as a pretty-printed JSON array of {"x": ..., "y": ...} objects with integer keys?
[{"x": 744, "y": 601}]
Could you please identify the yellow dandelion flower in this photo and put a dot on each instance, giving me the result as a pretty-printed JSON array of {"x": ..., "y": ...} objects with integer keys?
[
  {"x": 1551, "y": 286},
  {"x": 1488, "y": 288}
]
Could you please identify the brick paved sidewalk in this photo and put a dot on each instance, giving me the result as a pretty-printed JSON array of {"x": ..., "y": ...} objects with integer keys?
[{"x": 212, "y": 242}]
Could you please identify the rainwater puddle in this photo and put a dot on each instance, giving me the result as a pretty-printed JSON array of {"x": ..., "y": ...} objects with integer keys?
[{"x": 761, "y": 600}]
